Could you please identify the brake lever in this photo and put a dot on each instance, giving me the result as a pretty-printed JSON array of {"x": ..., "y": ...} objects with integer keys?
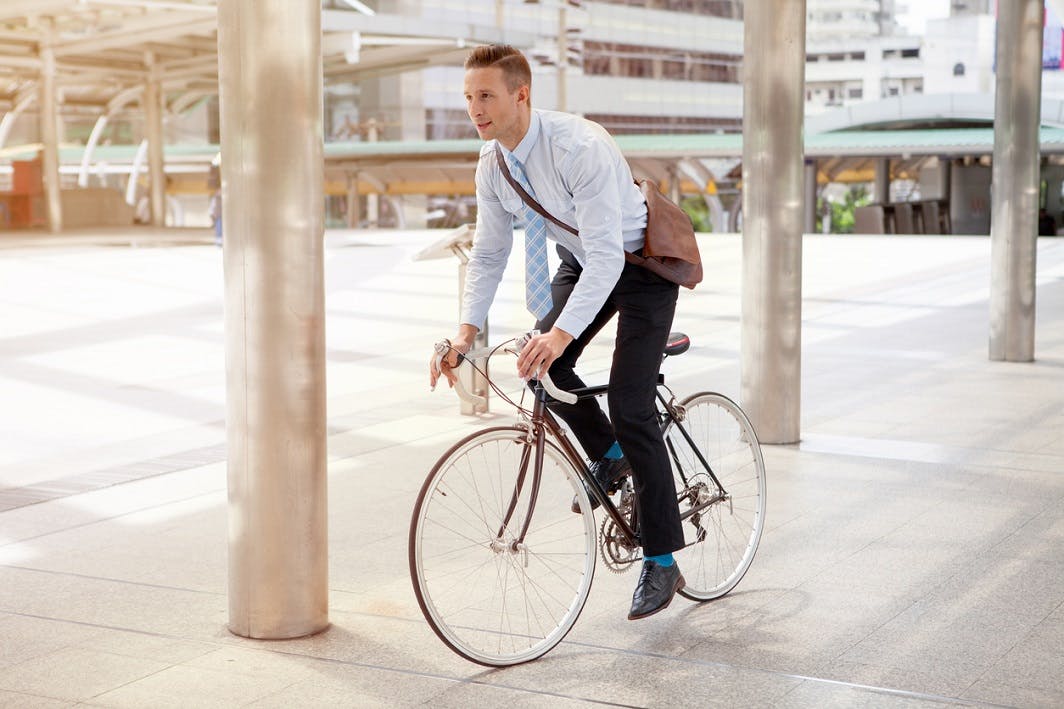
[
  {"x": 442, "y": 348},
  {"x": 545, "y": 381}
]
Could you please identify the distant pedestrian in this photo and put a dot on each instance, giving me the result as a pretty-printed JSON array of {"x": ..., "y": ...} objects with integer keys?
[
  {"x": 1047, "y": 225},
  {"x": 214, "y": 209}
]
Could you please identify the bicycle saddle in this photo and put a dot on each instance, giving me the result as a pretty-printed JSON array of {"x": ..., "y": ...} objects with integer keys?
[{"x": 677, "y": 344}]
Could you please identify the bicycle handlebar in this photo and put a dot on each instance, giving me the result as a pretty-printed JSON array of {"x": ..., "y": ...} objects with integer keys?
[{"x": 444, "y": 346}]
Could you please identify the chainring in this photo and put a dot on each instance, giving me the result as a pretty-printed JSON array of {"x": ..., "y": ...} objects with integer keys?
[{"x": 617, "y": 553}]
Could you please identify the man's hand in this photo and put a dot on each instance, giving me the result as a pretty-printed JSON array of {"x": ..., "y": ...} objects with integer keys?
[
  {"x": 460, "y": 343},
  {"x": 540, "y": 352}
]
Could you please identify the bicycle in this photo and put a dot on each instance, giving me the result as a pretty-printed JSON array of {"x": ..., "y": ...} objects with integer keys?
[{"x": 501, "y": 566}]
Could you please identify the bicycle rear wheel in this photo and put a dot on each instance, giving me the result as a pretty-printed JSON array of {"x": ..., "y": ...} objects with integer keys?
[
  {"x": 720, "y": 539},
  {"x": 489, "y": 599}
]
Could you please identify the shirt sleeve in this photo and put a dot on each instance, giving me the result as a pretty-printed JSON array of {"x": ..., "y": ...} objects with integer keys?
[
  {"x": 492, "y": 242},
  {"x": 593, "y": 180}
]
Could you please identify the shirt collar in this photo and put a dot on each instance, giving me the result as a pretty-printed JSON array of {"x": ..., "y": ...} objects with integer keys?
[{"x": 524, "y": 148}]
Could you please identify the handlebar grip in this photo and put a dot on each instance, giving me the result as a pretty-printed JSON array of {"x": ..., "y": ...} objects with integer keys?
[
  {"x": 560, "y": 394},
  {"x": 479, "y": 402}
]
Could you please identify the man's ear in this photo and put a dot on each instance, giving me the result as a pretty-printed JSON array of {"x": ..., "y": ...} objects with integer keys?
[{"x": 522, "y": 94}]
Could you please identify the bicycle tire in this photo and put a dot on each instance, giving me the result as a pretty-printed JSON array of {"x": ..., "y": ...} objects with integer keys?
[
  {"x": 487, "y": 601},
  {"x": 721, "y": 540}
]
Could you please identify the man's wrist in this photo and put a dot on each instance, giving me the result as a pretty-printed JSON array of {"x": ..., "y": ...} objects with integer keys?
[
  {"x": 565, "y": 336},
  {"x": 466, "y": 335}
]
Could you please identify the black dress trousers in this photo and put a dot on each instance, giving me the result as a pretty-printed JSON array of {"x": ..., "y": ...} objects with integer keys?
[{"x": 644, "y": 304}]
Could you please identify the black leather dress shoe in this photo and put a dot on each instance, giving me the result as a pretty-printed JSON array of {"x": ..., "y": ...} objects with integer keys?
[
  {"x": 657, "y": 585},
  {"x": 609, "y": 472}
]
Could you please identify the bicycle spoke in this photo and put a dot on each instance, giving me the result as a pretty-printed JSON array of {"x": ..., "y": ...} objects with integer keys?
[
  {"x": 489, "y": 600},
  {"x": 720, "y": 540}
]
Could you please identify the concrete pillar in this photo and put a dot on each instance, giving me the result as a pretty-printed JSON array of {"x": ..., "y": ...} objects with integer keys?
[
  {"x": 773, "y": 186},
  {"x": 373, "y": 201},
  {"x": 946, "y": 165},
  {"x": 675, "y": 189},
  {"x": 1015, "y": 180},
  {"x": 273, "y": 197},
  {"x": 153, "y": 120},
  {"x": 49, "y": 127},
  {"x": 809, "y": 211},
  {"x": 881, "y": 184},
  {"x": 1054, "y": 177},
  {"x": 354, "y": 207}
]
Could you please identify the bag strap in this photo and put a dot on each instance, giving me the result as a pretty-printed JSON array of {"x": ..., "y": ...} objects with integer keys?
[
  {"x": 538, "y": 208},
  {"x": 529, "y": 199}
]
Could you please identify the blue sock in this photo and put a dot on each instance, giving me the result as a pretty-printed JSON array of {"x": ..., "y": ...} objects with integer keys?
[
  {"x": 661, "y": 559},
  {"x": 614, "y": 453}
]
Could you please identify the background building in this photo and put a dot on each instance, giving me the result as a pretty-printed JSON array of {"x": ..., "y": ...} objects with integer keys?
[{"x": 636, "y": 67}]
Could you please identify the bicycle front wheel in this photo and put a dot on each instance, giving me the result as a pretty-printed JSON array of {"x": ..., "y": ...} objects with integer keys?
[
  {"x": 489, "y": 596},
  {"x": 721, "y": 534}
]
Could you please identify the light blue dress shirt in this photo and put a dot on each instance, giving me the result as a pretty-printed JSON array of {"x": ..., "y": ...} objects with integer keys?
[{"x": 580, "y": 176}]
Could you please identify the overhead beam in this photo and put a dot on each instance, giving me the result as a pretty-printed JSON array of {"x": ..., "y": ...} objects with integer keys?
[
  {"x": 18, "y": 60},
  {"x": 148, "y": 30},
  {"x": 14, "y": 9}
]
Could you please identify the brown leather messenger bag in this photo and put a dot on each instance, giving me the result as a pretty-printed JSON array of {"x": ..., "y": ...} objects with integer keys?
[{"x": 670, "y": 249}]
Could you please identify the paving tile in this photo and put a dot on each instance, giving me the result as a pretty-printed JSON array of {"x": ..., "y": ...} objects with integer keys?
[
  {"x": 994, "y": 691},
  {"x": 148, "y": 647},
  {"x": 19, "y": 700},
  {"x": 27, "y": 637},
  {"x": 112, "y": 604},
  {"x": 828, "y": 695},
  {"x": 339, "y": 685},
  {"x": 1036, "y": 661},
  {"x": 184, "y": 686},
  {"x": 945, "y": 678},
  {"x": 911, "y": 543},
  {"x": 75, "y": 673}
]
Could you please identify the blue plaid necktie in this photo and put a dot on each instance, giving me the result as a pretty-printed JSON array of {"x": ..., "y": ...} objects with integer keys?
[{"x": 537, "y": 280}]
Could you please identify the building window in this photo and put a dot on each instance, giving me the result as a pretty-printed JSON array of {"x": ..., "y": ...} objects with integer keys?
[
  {"x": 448, "y": 123},
  {"x": 618, "y": 124},
  {"x": 958, "y": 69},
  {"x": 855, "y": 93},
  {"x": 731, "y": 9},
  {"x": 630, "y": 60}
]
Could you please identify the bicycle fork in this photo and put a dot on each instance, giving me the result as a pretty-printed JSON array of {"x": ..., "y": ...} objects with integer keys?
[{"x": 531, "y": 458}]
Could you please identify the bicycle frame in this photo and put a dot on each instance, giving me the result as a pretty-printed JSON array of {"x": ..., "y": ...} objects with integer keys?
[{"x": 542, "y": 422}]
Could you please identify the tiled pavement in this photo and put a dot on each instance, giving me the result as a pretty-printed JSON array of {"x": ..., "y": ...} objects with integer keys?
[{"x": 914, "y": 553}]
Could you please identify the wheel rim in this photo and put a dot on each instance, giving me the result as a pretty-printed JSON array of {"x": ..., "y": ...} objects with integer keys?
[
  {"x": 730, "y": 530},
  {"x": 487, "y": 598}
]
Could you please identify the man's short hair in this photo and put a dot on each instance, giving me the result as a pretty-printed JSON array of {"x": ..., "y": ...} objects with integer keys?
[{"x": 515, "y": 69}]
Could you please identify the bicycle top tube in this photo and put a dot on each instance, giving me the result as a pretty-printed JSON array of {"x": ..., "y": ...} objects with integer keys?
[{"x": 676, "y": 344}]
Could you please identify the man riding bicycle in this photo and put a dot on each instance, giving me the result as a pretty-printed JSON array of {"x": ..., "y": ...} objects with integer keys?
[{"x": 574, "y": 169}]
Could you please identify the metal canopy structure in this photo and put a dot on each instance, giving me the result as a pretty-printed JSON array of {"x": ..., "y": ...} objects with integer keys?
[
  {"x": 100, "y": 59},
  {"x": 105, "y": 50}
]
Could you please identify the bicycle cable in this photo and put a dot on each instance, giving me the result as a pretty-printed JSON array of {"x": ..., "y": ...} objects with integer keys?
[{"x": 491, "y": 384}]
